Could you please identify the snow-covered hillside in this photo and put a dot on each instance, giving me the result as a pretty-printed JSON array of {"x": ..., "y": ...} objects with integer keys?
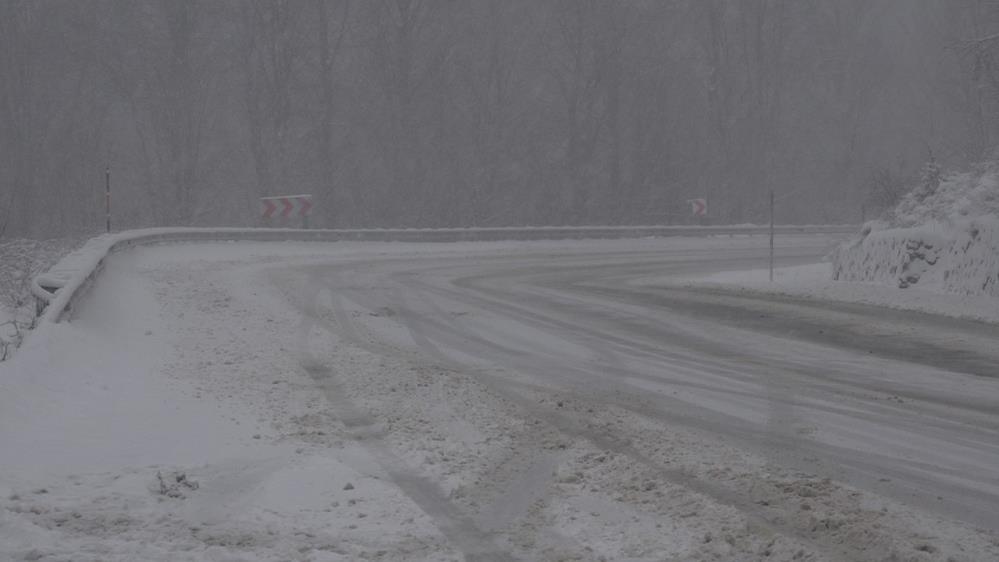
[{"x": 943, "y": 236}]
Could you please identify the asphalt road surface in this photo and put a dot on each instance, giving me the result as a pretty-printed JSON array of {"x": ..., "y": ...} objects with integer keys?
[{"x": 897, "y": 406}]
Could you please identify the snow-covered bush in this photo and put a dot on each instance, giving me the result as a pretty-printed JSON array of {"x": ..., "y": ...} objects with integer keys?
[
  {"x": 20, "y": 261},
  {"x": 942, "y": 235}
]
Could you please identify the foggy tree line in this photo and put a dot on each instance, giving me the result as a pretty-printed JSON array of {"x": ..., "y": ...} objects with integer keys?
[{"x": 399, "y": 113}]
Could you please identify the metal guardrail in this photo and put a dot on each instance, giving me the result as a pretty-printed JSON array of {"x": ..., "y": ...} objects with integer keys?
[{"x": 56, "y": 290}]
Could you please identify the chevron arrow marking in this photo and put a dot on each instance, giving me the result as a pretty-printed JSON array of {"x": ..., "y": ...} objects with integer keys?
[
  {"x": 286, "y": 206},
  {"x": 699, "y": 207},
  {"x": 269, "y": 207}
]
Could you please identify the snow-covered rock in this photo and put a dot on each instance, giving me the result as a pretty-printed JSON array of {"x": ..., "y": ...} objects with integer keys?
[{"x": 942, "y": 236}]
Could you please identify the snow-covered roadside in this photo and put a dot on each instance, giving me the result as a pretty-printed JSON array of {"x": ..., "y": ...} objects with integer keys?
[
  {"x": 116, "y": 447},
  {"x": 814, "y": 281},
  {"x": 958, "y": 257},
  {"x": 20, "y": 261}
]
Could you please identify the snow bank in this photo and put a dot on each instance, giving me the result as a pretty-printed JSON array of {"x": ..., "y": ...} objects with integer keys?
[{"x": 943, "y": 236}]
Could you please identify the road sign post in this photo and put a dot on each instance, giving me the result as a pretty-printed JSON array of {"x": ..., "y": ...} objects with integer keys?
[
  {"x": 771, "y": 236},
  {"x": 107, "y": 198}
]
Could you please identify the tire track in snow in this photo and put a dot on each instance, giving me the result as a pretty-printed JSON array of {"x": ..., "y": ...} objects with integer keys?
[
  {"x": 419, "y": 326},
  {"x": 475, "y": 544}
]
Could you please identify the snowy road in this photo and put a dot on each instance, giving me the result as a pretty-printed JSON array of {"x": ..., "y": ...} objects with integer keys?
[{"x": 566, "y": 400}]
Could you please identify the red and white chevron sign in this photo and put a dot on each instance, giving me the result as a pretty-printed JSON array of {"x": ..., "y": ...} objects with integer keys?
[
  {"x": 699, "y": 206},
  {"x": 286, "y": 206}
]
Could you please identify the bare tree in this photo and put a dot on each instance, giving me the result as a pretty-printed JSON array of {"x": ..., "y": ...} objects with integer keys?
[
  {"x": 428, "y": 112},
  {"x": 270, "y": 55},
  {"x": 333, "y": 19}
]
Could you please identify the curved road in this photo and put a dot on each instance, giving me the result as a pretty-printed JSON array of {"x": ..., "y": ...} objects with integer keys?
[{"x": 898, "y": 405}]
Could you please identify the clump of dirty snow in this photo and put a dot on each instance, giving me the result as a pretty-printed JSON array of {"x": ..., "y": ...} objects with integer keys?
[
  {"x": 174, "y": 484},
  {"x": 943, "y": 236}
]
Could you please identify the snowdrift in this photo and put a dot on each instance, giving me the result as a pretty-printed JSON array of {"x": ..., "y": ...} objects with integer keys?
[{"x": 943, "y": 236}]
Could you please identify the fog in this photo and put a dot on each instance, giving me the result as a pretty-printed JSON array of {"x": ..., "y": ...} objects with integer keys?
[{"x": 433, "y": 113}]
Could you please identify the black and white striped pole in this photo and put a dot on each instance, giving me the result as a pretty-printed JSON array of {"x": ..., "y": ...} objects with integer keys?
[
  {"x": 771, "y": 236},
  {"x": 107, "y": 198}
]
